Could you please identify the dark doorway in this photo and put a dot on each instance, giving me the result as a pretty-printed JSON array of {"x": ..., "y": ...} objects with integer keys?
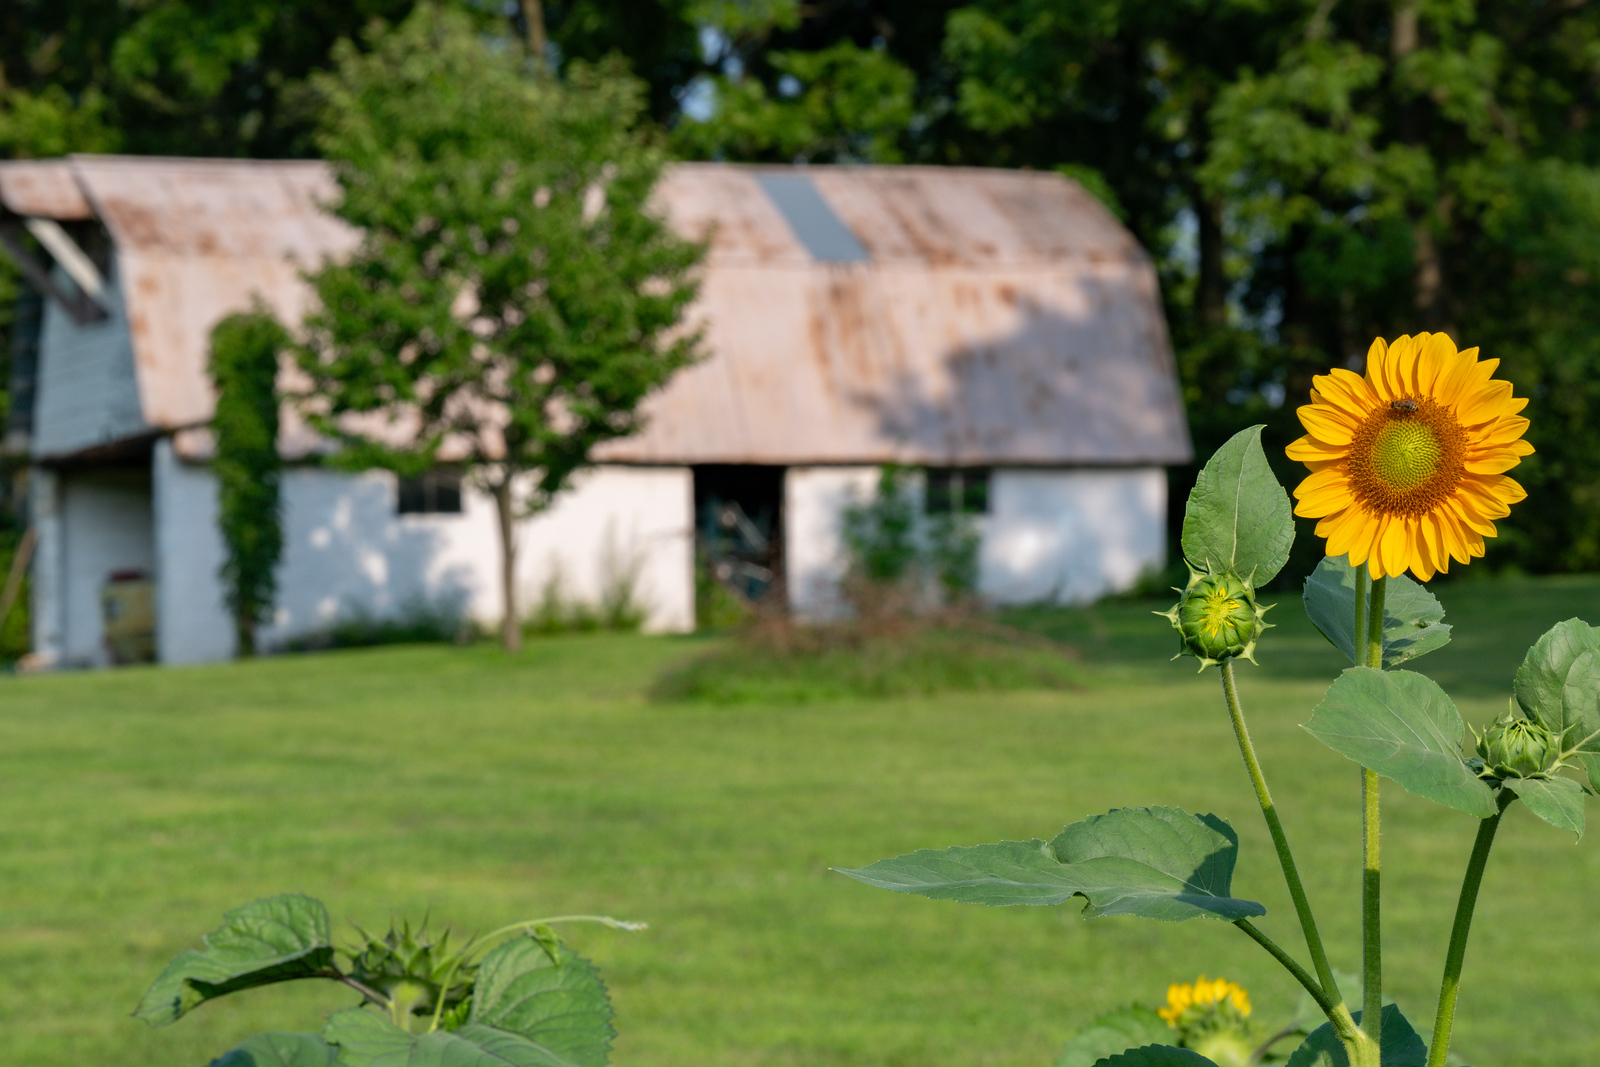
[{"x": 739, "y": 528}]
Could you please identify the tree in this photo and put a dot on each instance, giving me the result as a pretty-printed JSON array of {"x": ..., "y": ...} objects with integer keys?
[
  {"x": 1408, "y": 166},
  {"x": 244, "y": 367},
  {"x": 514, "y": 297}
]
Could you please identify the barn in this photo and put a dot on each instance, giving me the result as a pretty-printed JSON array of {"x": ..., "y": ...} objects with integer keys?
[{"x": 999, "y": 333}]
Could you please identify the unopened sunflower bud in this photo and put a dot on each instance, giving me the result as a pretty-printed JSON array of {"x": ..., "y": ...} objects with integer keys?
[
  {"x": 1518, "y": 748},
  {"x": 1217, "y": 619}
]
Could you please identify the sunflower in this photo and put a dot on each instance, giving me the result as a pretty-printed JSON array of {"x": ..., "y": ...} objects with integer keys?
[{"x": 1408, "y": 461}]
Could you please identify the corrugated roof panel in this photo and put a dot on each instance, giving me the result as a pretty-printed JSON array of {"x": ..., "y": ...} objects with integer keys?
[
  {"x": 197, "y": 240},
  {"x": 942, "y": 367},
  {"x": 43, "y": 188},
  {"x": 724, "y": 204},
  {"x": 1003, "y": 318},
  {"x": 812, "y": 220},
  {"x": 971, "y": 216}
]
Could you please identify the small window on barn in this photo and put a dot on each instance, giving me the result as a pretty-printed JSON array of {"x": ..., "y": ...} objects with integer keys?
[
  {"x": 437, "y": 492},
  {"x": 958, "y": 491}
]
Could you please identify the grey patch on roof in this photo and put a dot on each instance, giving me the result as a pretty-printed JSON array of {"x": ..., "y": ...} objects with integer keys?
[{"x": 826, "y": 237}]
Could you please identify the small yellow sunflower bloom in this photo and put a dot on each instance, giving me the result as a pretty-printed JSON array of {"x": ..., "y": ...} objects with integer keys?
[
  {"x": 1202, "y": 994},
  {"x": 1408, "y": 461}
]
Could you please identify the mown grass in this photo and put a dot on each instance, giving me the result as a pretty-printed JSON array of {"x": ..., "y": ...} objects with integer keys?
[
  {"x": 778, "y": 662},
  {"x": 139, "y": 805}
]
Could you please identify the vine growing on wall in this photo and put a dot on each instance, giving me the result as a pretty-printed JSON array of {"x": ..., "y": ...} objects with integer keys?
[{"x": 244, "y": 368}]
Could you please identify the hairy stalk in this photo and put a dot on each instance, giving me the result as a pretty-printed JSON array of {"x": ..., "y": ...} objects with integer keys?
[
  {"x": 1280, "y": 842},
  {"x": 1358, "y": 1049},
  {"x": 372, "y": 995},
  {"x": 1457, "y": 954},
  {"x": 1359, "y": 633},
  {"x": 1328, "y": 1005},
  {"x": 1371, "y": 881}
]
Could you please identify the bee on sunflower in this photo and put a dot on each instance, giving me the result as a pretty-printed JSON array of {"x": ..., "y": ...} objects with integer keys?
[{"x": 1408, "y": 461}]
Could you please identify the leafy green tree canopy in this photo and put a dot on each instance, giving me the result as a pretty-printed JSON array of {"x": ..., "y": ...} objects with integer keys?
[{"x": 514, "y": 297}]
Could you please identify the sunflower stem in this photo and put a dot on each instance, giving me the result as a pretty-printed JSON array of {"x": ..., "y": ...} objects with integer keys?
[
  {"x": 1280, "y": 841},
  {"x": 1358, "y": 642},
  {"x": 1374, "y": 650},
  {"x": 1456, "y": 956},
  {"x": 1371, "y": 926}
]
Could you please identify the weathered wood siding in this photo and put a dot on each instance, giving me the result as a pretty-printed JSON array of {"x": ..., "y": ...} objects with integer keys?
[{"x": 88, "y": 395}]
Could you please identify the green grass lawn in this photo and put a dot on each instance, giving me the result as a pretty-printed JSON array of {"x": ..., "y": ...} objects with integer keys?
[{"x": 139, "y": 805}]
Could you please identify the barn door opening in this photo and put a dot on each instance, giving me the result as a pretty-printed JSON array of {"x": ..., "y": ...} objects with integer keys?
[{"x": 738, "y": 539}]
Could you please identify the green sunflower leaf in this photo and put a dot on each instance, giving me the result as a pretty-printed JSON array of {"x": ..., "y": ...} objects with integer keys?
[
  {"x": 1156, "y": 1056},
  {"x": 1238, "y": 517},
  {"x": 1403, "y": 726},
  {"x": 1400, "y": 1045},
  {"x": 1411, "y": 614},
  {"x": 553, "y": 997},
  {"x": 1114, "y": 1032},
  {"x": 279, "y": 1050},
  {"x": 273, "y": 940},
  {"x": 1558, "y": 686},
  {"x": 1159, "y": 863},
  {"x": 368, "y": 1039},
  {"x": 1558, "y": 801}
]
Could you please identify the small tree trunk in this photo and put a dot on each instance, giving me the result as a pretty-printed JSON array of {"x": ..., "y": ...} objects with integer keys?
[
  {"x": 533, "y": 15},
  {"x": 510, "y": 621},
  {"x": 245, "y": 632}
]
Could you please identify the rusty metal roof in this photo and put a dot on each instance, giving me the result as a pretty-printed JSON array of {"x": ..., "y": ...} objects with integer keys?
[
  {"x": 853, "y": 314},
  {"x": 998, "y": 317},
  {"x": 43, "y": 188}
]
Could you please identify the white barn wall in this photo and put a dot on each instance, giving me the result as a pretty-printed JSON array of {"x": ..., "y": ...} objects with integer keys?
[
  {"x": 346, "y": 550},
  {"x": 192, "y": 620},
  {"x": 1052, "y": 535},
  {"x": 613, "y": 518},
  {"x": 1070, "y": 536},
  {"x": 814, "y": 499},
  {"x": 92, "y": 523}
]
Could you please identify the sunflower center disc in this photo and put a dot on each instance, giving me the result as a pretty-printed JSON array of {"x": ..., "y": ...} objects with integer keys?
[
  {"x": 1407, "y": 458},
  {"x": 1406, "y": 454}
]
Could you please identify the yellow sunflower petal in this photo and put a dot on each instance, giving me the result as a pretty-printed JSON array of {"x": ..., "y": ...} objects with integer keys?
[
  {"x": 1377, "y": 354},
  {"x": 1479, "y": 371},
  {"x": 1328, "y": 424},
  {"x": 1422, "y": 564},
  {"x": 1452, "y": 536},
  {"x": 1485, "y": 496},
  {"x": 1485, "y": 405},
  {"x": 1438, "y": 352},
  {"x": 1492, "y": 461},
  {"x": 1433, "y": 542},
  {"x": 1363, "y": 537},
  {"x": 1473, "y": 522},
  {"x": 1322, "y": 493},
  {"x": 1509, "y": 491},
  {"x": 1389, "y": 381},
  {"x": 1455, "y": 377},
  {"x": 1308, "y": 449},
  {"x": 1505, "y": 429},
  {"x": 1393, "y": 555},
  {"x": 1342, "y": 530},
  {"x": 1346, "y": 389}
]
